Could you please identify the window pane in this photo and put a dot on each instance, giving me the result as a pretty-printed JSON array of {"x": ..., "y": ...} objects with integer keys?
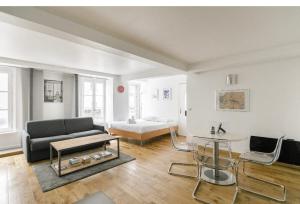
[
  {"x": 3, "y": 82},
  {"x": 132, "y": 112},
  {"x": 99, "y": 89},
  {"x": 87, "y": 104},
  {"x": 93, "y": 99},
  {"x": 99, "y": 102},
  {"x": 132, "y": 90},
  {"x": 3, "y": 119},
  {"x": 88, "y": 89},
  {"x": 132, "y": 101},
  {"x": 99, "y": 114},
  {"x": 3, "y": 100}
]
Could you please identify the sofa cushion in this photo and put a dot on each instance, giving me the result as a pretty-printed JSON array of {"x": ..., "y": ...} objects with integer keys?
[
  {"x": 44, "y": 143},
  {"x": 86, "y": 133},
  {"x": 78, "y": 124},
  {"x": 46, "y": 128}
]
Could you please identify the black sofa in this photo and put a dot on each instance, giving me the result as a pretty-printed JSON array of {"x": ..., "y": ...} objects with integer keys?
[{"x": 37, "y": 136}]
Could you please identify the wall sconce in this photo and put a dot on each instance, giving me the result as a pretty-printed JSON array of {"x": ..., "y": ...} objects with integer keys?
[{"x": 231, "y": 79}]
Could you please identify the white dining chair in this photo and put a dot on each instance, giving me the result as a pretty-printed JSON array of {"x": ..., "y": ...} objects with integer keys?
[
  {"x": 182, "y": 147},
  {"x": 205, "y": 160},
  {"x": 263, "y": 159}
]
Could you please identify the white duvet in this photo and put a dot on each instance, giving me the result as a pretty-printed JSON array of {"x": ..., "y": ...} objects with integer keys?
[{"x": 141, "y": 126}]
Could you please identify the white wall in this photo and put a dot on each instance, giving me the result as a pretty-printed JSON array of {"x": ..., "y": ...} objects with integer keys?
[
  {"x": 274, "y": 101},
  {"x": 45, "y": 111},
  {"x": 162, "y": 108},
  {"x": 69, "y": 95},
  {"x": 120, "y": 100}
]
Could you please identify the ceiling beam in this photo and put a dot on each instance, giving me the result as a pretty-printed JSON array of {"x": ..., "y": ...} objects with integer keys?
[
  {"x": 28, "y": 64},
  {"x": 151, "y": 74},
  {"x": 41, "y": 21},
  {"x": 276, "y": 53}
]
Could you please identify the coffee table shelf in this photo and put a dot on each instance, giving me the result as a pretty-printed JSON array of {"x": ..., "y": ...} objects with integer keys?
[
  {"x": 73, "y": 168},
  {"x": 61, "y": 146}
]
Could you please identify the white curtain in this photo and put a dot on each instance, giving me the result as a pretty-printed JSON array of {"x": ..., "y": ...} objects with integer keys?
[{"x": 20, "y": 82}]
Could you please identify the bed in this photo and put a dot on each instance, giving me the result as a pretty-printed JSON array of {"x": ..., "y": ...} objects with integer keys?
[{"x": 143, "y": 129}]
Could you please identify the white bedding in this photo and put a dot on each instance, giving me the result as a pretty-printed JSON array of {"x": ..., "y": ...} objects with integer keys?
[{"x": 141, "y": 126}]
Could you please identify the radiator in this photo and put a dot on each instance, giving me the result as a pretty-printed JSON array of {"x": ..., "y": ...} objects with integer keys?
[{"x": 290, "y": 152}]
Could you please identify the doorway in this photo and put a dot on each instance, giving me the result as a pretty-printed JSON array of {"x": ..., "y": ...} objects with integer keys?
[{"x": 182, "y": 110}]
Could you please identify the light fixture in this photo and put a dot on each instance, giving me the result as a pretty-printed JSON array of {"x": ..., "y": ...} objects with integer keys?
[{"x": 231, "y": 79}]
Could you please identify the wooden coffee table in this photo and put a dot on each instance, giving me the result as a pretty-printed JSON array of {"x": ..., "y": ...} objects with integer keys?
[{"x": 64, "y": 145}]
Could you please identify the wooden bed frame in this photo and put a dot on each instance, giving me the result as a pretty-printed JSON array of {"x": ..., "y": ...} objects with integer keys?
[{"x": 140, "y": 136}]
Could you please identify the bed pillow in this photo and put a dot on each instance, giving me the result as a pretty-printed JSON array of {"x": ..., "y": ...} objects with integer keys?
[
  {"x": 164, "y": 120},
  {"x": 158, "y": 119},
  {"x": 150, "y": 118}
]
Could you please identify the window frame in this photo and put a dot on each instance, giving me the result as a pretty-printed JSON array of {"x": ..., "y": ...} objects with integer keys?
[
  {"x": 93, "y": 81},
  {"x": 10, "y": 104}
]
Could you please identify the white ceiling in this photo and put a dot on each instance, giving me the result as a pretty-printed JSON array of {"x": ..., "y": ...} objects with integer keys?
[
  {"x": 142, "y": 41},
  {"x": 192, "y": 34}
]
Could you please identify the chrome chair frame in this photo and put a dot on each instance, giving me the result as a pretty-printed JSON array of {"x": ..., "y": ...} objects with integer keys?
[
  {"x": 183, "y": 147},
  {"x": 275, "y": 155},
  {"x": 202, "y": 162}
]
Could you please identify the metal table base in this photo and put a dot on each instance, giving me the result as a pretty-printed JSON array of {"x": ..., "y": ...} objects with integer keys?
[
  {"x": 225, "y": 178},
  {"x": 217, "y": 176}
]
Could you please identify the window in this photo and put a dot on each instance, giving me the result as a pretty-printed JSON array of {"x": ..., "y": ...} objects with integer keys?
[
  {"x": 5, "y": 101},
  {"x": 92, "y": 98},
  {"x": 134, "y": 100}
]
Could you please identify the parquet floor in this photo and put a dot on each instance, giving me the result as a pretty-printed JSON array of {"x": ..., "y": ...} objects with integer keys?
[{"x": 144, "y": 180}]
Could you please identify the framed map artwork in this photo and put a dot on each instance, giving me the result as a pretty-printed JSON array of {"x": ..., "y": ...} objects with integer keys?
[{"x": 232, "y": 100}]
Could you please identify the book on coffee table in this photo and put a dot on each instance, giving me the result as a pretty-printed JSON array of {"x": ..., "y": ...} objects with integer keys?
[
  {"x": 63, "y": 167},
  {"x": 96, "y": 156},
  {"x": 74, "y": 161},
  {"x": 105, "y": 153}
]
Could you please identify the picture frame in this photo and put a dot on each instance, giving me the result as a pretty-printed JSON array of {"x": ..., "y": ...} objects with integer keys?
[
  {"x": 167, "y": 94},
  {"x": 53, "y": 91},
  {"x": 233, "y": 100}
]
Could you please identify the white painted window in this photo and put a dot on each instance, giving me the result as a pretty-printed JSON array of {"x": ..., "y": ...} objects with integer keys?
[
  {"x": 92, "y": 101},
  {"x": 6, "y": 113},
  {"x": 134, "y": 100}
]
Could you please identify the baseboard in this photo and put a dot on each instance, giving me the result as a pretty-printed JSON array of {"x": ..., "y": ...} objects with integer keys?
[{"x": 10, "y": 152}]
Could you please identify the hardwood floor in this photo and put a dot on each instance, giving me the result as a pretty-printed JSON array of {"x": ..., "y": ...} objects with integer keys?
[{"x": 144, "y": 180}]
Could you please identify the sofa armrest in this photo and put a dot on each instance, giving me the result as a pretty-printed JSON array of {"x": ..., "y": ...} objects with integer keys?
[
  {"x": 100, "y": 127},
  {"x": 26, "y": 145}
]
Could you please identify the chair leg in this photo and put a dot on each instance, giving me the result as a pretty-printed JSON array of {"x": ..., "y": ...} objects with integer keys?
[
  {"x": 236, "y": 171},
  {"x": 182, "y": 164},
  {"x": 196, "y": 189},
  {"x": 194, "y": 194},
  {"x": 229, "y": 151},
  {"x": 282, "y": 199}
]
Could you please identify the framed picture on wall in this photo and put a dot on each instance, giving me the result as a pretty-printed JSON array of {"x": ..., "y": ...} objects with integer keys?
[
  {"x": 167, "y": 94},
  {"x": 232, "y": 100},
  {"x": 53, "y": 91}
]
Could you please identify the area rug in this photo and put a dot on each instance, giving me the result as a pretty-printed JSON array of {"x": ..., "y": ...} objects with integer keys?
[
  {"x": 49, "y": 180},
  {"x": 97, "y": 198}
]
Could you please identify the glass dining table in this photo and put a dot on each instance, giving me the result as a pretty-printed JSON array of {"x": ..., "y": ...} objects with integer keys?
[{"x": 216, "y": 175}]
